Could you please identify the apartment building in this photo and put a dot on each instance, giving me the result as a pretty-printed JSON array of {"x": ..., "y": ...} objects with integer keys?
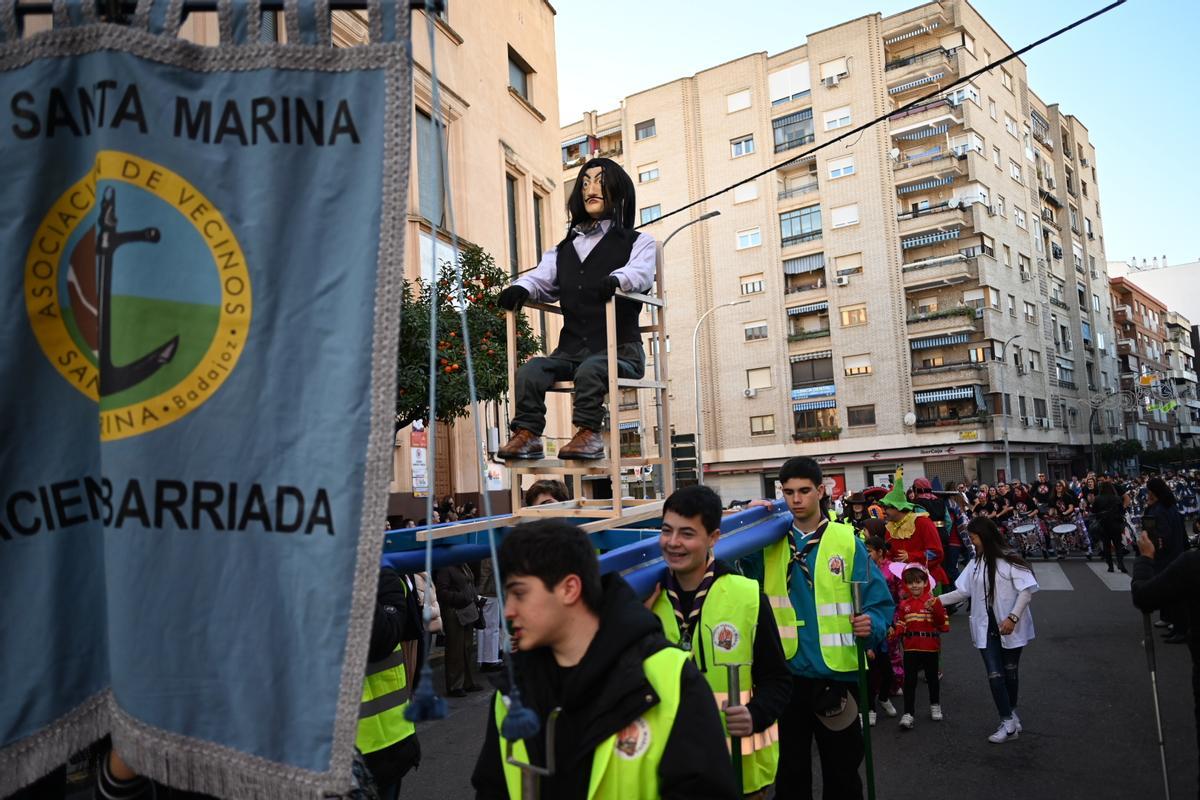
[
  {"x": 1181, "y": 370},
  {"x": 915, "y": 295},
  {"x": 499, "y": 93},
  {"x": 1141, "y": 328}
]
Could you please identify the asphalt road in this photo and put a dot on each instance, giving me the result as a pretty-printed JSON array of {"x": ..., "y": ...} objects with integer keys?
[{"x": 1085, "y": 704}]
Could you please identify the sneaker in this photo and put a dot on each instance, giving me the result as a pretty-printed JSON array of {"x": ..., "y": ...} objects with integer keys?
[
  {"x": 1017, "y": 721},
  {"x": 871, "y": 716},
  {"x": 935, "y": 712},
  {"x": 1006, "y": 731},
  {"x": 888, "y": 708},
  {"x": 1160, "y": 624},
  {"x": 906, "y": 722}
]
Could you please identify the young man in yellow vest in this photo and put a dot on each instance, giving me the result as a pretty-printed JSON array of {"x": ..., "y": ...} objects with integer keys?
[
  {"x": 635, "y": 718},
  {"x": 722, "y": 618},
  {"x": 386, "y": 739},
  {"x": 807, "y": 579}
]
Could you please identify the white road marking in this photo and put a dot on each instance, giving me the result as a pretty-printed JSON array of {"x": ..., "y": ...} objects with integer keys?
[
  {"x": 1116, "y": 581},
  {"x": 1051, "y": 578}
]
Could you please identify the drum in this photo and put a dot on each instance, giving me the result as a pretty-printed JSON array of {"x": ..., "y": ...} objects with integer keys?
[
  {"x": 1024, "y": 530},
  {"x": 1063, "y": 530}
]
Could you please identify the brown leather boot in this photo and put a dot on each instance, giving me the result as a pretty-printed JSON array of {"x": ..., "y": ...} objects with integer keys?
[
  {"x": 586, "y": 445},
  {"x": 523, "y": 445}
]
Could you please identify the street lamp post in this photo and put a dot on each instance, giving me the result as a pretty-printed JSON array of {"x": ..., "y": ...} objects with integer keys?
[
  {"x": 699, "y": 403},
  {"x": 658, "y": 473},
  {"x": 1004, "y": 397}
]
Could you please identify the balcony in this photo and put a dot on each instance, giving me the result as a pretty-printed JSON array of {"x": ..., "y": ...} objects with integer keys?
[
  {"x": 957, "y": 373},
  {"x": 1065, "y": 384},
  {"x": 1126, "y": 347},
  {"x": 798, "y": 191},
  {"x": 948, "y": 422},
  {"x": 909, "y": 121},
  {"x": 816, "y": 435},
  {"x": 1051, "y": 198},
  {"x": 944, "y": 271},
  {"x": 1182, "y": 375},
  {"x": 1122, "y": 314},
  {"x": 803, "y": 336},
  {"x": 792, "y": 142},
  {"x": 800, "y": 238},
  {"x": 935, "y": 161},
  {"x": 941, "y": 218},
  {"x": 1054, "y": 301},
  {"x": 1048, "y": 218},
  {"x": 929, "y": 75},
  {"x": 947, "y": 320},
  {"x": 803, "y": 284},
  {"x": 936, "y": 56}
]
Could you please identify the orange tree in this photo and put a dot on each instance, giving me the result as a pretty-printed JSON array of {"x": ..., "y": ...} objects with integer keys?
[{"x": 482, "y": 282}]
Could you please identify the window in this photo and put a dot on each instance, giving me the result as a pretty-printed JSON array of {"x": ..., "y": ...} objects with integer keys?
[
  {"x": 1022, "y": 409},
  {"x": 518, "y": 74},
  {"x": 854, "y": 315},
  {"x": 801, "y": 225},
  {"x": 737, "y": 101},
  {"x": 790, "y": 83},
  {"x": 1000, "y": 204},
  {"x": 648, "y": 173},
  {"x": 1087, "y": 227},
  {"x": 651, "y": 213},
  {"x": 837, "y": 118},
  {"x": 1039, "y": 407},
  {"x": 762, "y": 425},
  {"x": 644, "y": 130},
  {"x": 996, "y": 156},
  {"x": 857, "y": 365},
  {"x": 992, "y": 108},
  {"x": 1019, "y": 216},
  {"x": 1030, "y": 312},
  {"x": 430, "y": 200},
  {"x": 514, "y": 255},
  {"x": 745, "y": 192},
  {"x": 980, "y": 354},
  {"x": 813, "y": 371},
  {"x": 843, "y": 216},
  {"x": 834, "y": 69},
  {"x": 539, "y": 204},
  {"x": 963, "y": 93},
  {"x": 428, "y": 256},
  {"x": 793, "y": 130},
  {"x": 631, "y": 442},
  {"x": 1006, "y": 80},
  {"x": 973, "y": 298},
  {"x": 756, "y": 330},
  {"x": 860, "y": 415},
  {"x": 752, "y": 284},
  {"x": 629, "y": 399},
  {"x": 758, "y": 378},
  {"x": 1024, "y": 263},
  {"x": 841, "y": 167},
  {"x": 1014, "y": 170},
  {"x": 742, "y": 146},
  {"x": 818, "y": 420},
  {"x": 1035, "y": 360},
  {"x": 1010, "y": 125},
  {"x": 751, "y": 237},
  {"x": 1012, "y": 305},
  {"x": 849, "y": 264},
  {"x": 1096, "y": 303},
  {"x": 1007, "y": 251}
]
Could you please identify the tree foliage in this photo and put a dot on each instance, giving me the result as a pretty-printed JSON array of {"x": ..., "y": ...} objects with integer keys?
[{"x": 482, "y": 282}]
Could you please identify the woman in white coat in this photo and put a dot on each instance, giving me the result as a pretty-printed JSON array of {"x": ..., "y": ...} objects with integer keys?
[{"x": 999, "y": 584}]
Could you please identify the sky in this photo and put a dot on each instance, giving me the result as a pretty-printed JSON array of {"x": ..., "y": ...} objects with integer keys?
[{"x": 1131, "y": 76}]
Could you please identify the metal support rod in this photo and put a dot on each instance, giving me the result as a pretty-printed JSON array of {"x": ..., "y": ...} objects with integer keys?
[
  {"x": 863, "y": 698},
  {"x": 699, "y": 402},
  {"x": 531, "y": 774},
  {"x": 735, "y": 699},
  {"x": 1003, "y": 398},
  {"x": 1162, "y": 747}
]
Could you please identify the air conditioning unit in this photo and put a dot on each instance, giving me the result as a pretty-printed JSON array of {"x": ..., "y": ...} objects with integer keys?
[
  {"x": 991, "y": 211},
  {"x": 1084, "y": 162},
  {"x": 749, "y": 393},
  {"x": 842, "y": 280},
  {"x": 1025, "y": 277},
  {"x": 1091, "y": 235},
  {"x": 831, "y": 81},
  {"x": 1021, "y": 370},
  {"x": 1026, "y": 421},
  {"x": 979, "y": 313},
  {"x": 1043, "y": 422}
]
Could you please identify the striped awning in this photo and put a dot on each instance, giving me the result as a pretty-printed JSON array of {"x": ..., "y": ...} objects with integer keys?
[
  {"x": 929, "y": 238},
  {"x": 629, "y": 426},
  {"x": 939, "y": 341},
  {"x": 901, "y": 37},
  {"x": 814, "y": 405},
  {"x": 922, "y": 133},
  {"x": 808, "y": 309},
  {"x": 904, "y": 87},
  {"x": 803, "y": 264},
  {"x": 932, "y": 183},
  {"x": 608, "y": 132},
  {"x": 576, "y": 140},
  {"x": 811, "y": 356},
  {"x": 941, "y": 395}
]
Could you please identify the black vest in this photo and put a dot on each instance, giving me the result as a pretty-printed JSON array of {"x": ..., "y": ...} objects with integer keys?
[{"x": 578, "y": 290}]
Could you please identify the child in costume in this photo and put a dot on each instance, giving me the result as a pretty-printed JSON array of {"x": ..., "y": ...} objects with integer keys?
[{"x": 920, "y": 623}]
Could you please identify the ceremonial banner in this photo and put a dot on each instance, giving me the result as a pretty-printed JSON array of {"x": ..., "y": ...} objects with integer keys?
[{"x": 200, "y": 260}]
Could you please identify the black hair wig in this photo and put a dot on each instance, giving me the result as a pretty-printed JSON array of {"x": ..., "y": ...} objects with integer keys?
[{"x": 618, "y": 192}]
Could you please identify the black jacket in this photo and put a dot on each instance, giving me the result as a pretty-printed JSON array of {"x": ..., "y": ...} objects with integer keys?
[
  {"x": 1174, "y": 586},
  {"x": 1110, "y": 513},
  {"x": 389, "y": 627},
  {"x": 605, "y": 692},
  {"x": 1170, "y": 536}
]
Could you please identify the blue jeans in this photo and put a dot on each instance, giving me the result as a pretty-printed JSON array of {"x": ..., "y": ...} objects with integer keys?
[{"x": 1001, "y": 665}]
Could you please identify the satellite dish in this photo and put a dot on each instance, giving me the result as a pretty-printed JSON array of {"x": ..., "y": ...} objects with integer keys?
[{"x": 910, "y": 419}]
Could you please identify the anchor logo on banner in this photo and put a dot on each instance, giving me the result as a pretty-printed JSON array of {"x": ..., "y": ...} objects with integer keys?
[{"x": 147, "y": 322}]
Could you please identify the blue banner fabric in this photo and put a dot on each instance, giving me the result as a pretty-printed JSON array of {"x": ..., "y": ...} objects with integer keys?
[{"x": 202, "y": 256}]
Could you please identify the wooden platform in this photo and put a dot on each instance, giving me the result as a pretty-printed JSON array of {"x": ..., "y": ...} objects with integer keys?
[{"x": 598, "y": 512}]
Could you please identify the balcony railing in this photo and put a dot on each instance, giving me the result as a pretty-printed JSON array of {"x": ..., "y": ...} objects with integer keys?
[
  {"x": 923, "y": 212},
  {"x": 921, "y": 109},
  {"x": 803, "y": 335},
  {"x": 943, "y": 313},
  {"x": 928, "y": 57},
  {"x": 940, "y": 422},
  {"x": 628, "y": 406},
  {"x": 1054, "y": 301},
  {"x": 797, "y": 191},
  {"x": 797, "y": 288},
  {"x": 788, "y": 241},
  {"x": 794, "y": 142},
  {"x": 1066, "y": 384},
  {"x": 949, "y": 367},
  {"x": 816, "y": 434}
]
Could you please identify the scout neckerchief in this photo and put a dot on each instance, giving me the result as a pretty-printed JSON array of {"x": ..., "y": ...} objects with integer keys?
[
  {"x": 800, "y": 554},
  {"x": 687, "y": 625}
]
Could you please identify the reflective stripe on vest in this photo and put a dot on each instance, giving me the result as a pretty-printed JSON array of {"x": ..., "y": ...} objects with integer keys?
[
  {"x": 776, "y": 558},
  {"x": 834, "y": 597},
  {"x": 625, "y": 765},
  {"x": 381, "y": 721},
  {"x": 725, "y": 635}
]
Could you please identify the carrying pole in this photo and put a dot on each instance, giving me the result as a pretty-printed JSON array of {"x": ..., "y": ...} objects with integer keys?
[
  {"x": 1162, "y": 747},
  {"x": 863, "y": 704},
  {"x": 735, "y": 698}
]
